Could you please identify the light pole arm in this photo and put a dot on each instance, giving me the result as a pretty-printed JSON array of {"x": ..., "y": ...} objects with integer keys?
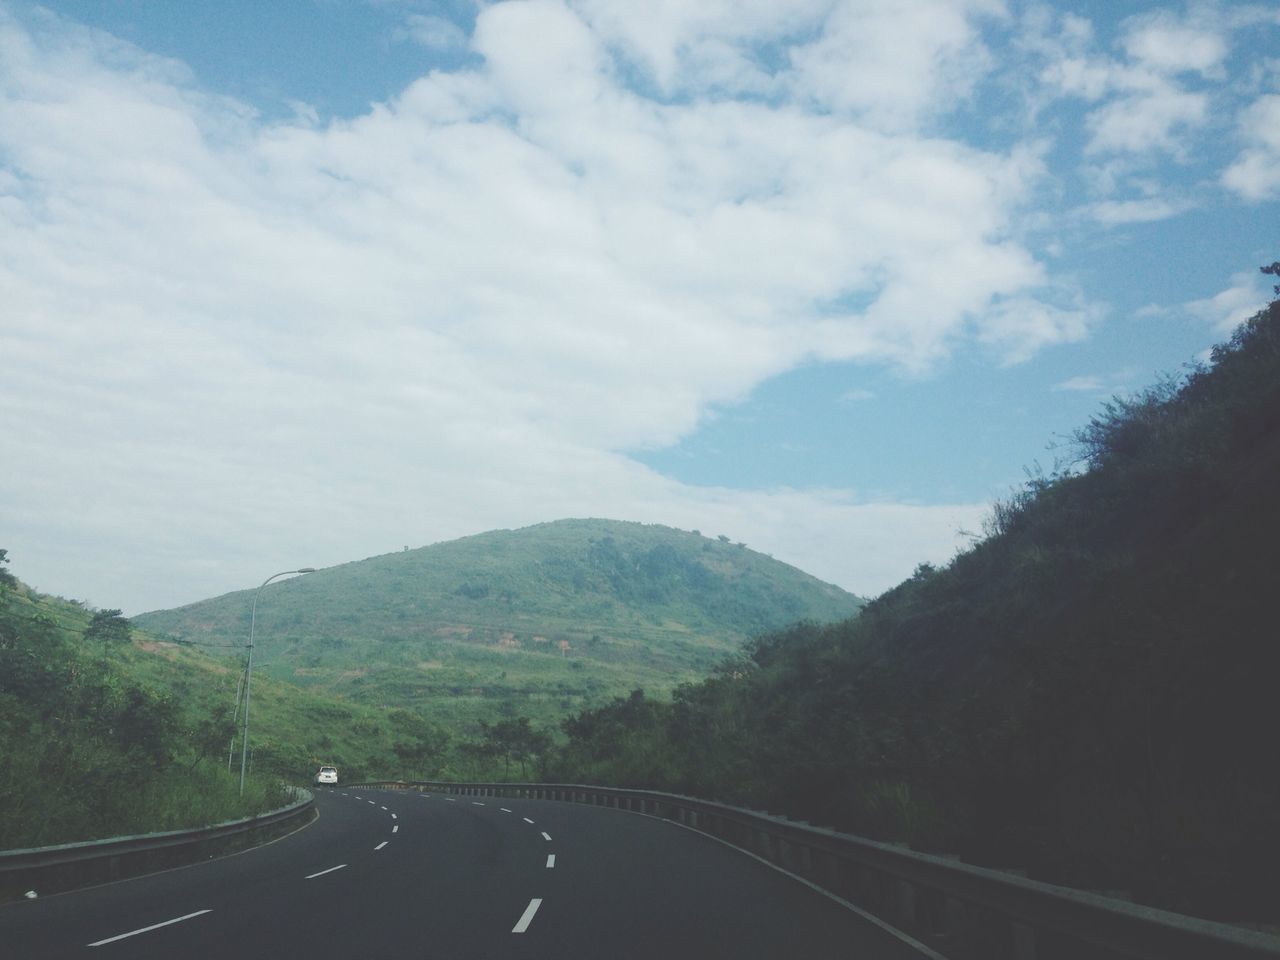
[{"x": 248, "y": 672}]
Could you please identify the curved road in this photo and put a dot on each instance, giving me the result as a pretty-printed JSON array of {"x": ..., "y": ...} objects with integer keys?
[{"x": 403, "y": 874}]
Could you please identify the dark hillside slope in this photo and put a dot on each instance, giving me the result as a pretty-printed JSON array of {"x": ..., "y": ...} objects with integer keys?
[
  {"x": 534, "y": 622},
  {"x": 1089, "y": 693}
]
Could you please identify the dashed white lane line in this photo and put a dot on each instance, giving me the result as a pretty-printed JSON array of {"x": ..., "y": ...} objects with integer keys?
[
  {"x": 323, "y": 872},
  {"x": 394, "y": 817},
  {"x": 476, "y": 803},
  {"x": 395, "y": 828},
  {"x": 526, "y": 918},
  {"x": 451, "y": 799},
  {"x": 384, "y": 808},
  {"x": 551, "y": 861},
  {"x": 546, "y": 836},
  {"x": 154, "y": 926},
  {"x": 504, "y": 809},
  {"x": 382, "y": 844},
  {"x": 373, "y": 804},
  {"x": 526, "y": 820}
]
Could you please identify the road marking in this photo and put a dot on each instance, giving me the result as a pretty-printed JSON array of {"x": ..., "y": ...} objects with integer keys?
[
  {"x": 382, "y": 844},
  {"x": 373, "y": 804},
  {"x": 476, "y": 803},
  {"x": 359, "y": 798},
  {"x": 323, "y": 872},
  {"x": 396, "y": 828},
  {"x": 394, "y": 817},
  {"x": 546, "y": 836},
  {"x": 526, "y": 820},
  {"x": 504, "y": 809},
  {"x": 551, "y": 861},
  {"x": 451, "y": 799},
  {"x": 154, "y": 926},
  {"x": 527, "y": 917},
  {"x": 384, "y": 808}
]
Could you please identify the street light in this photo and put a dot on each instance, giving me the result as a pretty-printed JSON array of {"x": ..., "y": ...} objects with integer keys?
[{"x": 248, "y": 670}]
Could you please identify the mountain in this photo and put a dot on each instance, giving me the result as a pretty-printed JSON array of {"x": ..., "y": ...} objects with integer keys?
[{"x": 533, "y": 622}]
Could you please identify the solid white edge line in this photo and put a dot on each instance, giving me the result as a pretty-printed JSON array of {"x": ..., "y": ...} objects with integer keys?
[
  {"x": 323, "y": 872},
  {"x": 925, "y": 951},
  {"x": 154, "y": 926},
  {"x": 551, "y": 861},
  {"x": 526, "y": 918},
  {"x": 382, "y": 844}
]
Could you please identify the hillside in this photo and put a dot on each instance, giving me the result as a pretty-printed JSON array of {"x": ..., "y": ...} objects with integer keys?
[
  {"x": 100, "y": 737},
  {"x": 1088, "y": 693},
  {"x": 533, "y": 622}
]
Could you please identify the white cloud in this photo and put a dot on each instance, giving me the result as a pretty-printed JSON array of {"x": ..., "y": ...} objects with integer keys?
[
  {"x": 261, "y": 344},
  {"x": 1168, "y": 44},
  {"x": 1157, "y": 93},
  {"x": 1147, "y": 210},
  {"x": 1255, "y": 174},
  {"x": 890, "y": 63},
  {"x": 1085, "y": 383},
  {"x": 434, "y": 33},
  {"x": 1154, "y": 117},
  {"x": 1233, "y": 306}
]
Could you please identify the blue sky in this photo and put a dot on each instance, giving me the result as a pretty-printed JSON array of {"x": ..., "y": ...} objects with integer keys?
[{"x": 302, "y": 282}]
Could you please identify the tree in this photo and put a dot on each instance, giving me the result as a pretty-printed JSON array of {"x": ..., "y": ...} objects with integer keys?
[
  {"x": 109, "y": 627},
  {"x": 1274, "y": 270},
  {"x": 7, "y": 579},
  {"x": 210, "y": 732},
  {"x": 514, "y": 740},
  {"x": 416, "y": 740}
]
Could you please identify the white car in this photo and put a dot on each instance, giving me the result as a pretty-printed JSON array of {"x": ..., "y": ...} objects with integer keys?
[{"x": 327, "y": 775}]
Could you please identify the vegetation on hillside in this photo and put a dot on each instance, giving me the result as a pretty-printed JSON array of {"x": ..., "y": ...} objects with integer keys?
[
  {"x": 109, "y": 731},
  {"x": 90, "y": 751},
  {"x": 530, "y": 623},
  {"x": 1087, "y": 693}
]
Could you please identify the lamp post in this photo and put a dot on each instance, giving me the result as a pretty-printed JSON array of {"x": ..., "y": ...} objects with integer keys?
[{"x": 248, "y": 671}]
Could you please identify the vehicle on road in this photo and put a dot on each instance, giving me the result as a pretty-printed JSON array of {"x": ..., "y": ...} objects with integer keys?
[{"x": 326, "y": 774}]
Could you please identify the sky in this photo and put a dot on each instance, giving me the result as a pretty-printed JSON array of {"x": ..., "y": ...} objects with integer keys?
[{"x": 297, "y": 283}]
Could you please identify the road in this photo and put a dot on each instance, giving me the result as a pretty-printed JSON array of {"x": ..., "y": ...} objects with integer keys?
[{"x": 402, "y": 874}]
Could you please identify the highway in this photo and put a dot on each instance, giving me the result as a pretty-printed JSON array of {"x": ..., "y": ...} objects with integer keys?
[{"x": 402, "y": 874}]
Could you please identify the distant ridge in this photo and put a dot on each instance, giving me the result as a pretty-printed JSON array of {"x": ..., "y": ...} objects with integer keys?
[{"x": 554, "y": 616}]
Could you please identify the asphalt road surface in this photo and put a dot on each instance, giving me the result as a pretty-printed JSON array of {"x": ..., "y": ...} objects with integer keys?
[{"x": 401, "y": 874}]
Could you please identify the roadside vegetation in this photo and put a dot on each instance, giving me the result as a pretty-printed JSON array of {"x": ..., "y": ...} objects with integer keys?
[
  {"x": 91, "y": 751},
  {"x": 1088, "y": 692},
  {"x": 106, "y": 730}
]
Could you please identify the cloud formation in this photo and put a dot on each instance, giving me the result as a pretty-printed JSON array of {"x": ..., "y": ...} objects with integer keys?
[{"x": 236, "y": 343}]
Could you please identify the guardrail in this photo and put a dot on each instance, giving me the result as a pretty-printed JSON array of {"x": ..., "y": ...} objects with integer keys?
[
  {"x": 960, "y": 910},
  {"x": 69, "y": 866}
]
